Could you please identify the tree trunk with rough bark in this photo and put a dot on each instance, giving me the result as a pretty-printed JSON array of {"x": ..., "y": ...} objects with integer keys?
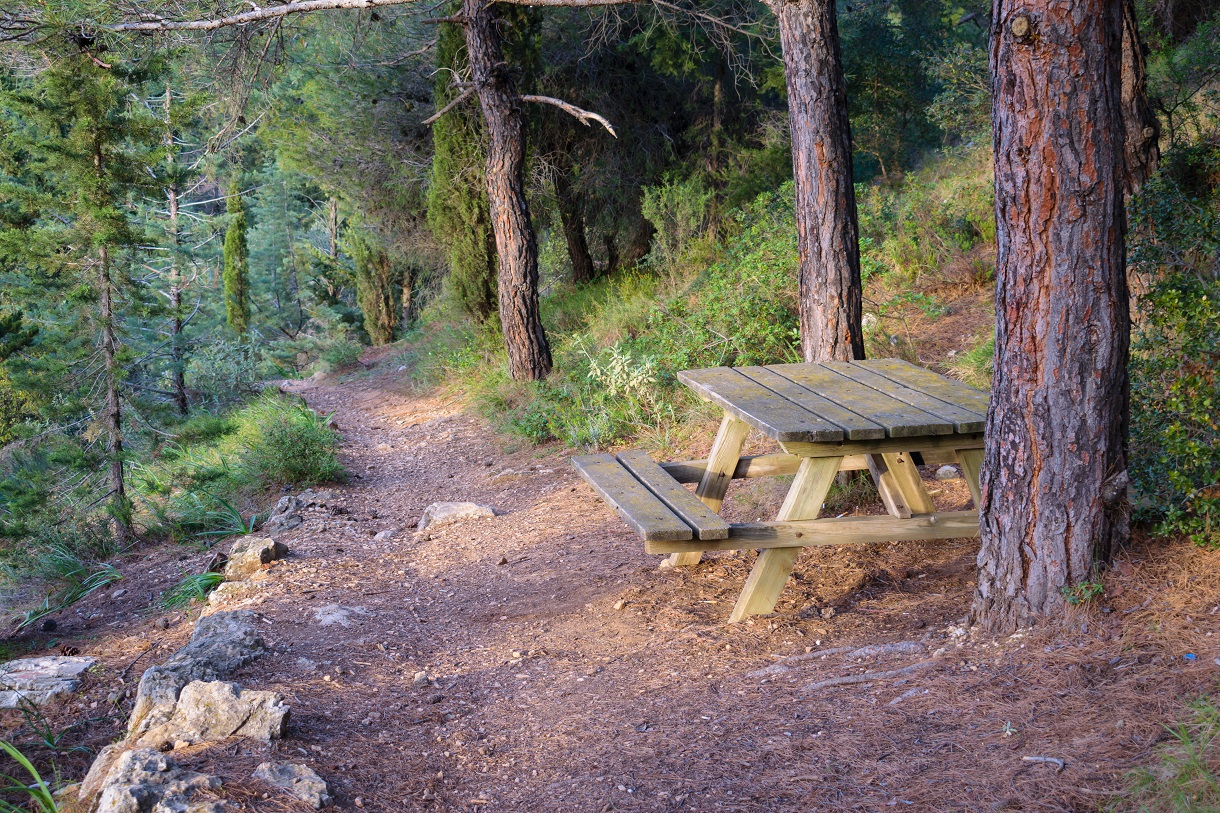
[
  {"x": 1055, "y": 472},
  {"x": 827, "y": 230},
  {"x": 1141, "y": 130},
  {"x": 572, "y": 218},
  {"x": 529, "y": 355}
]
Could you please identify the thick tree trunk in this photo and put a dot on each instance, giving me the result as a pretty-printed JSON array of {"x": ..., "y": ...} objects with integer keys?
[
  {"x": 572, "y": 217},
  {"x": 529, "y": 356},
  {"x": 1141, "y": 130},
  {"x": 1054, "y": 478},
  {"x": 827, "y": 230}
]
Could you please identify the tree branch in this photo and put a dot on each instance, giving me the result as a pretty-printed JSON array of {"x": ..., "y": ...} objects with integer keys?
[
  {"x": 458, "y": 99},
  {"x": 152, "y": 23},
  {"x": 584, "y": 115}
]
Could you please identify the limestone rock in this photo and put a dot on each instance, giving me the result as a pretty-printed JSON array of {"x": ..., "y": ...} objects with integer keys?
[
  {"x": 251, "y": 552},
  {"x": 309, "y": 498},
  {"x": 146, "y": 781},
  {"x": 40, "y": 680},
  {"x": 299, "y": 780},
  {"x": 220, "y": 645},
  {"x": 284, "y": 516},
  {"x": 211, "y": 711},
  {"x": 947, "y": 472},
  {"x": 447, "y": 513},
  {"x": 385, "y": 536},
  {"x": 333, "y": 614}
]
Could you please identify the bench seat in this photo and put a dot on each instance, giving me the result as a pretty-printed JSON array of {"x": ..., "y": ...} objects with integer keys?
[{"x": 648, "y": 499}]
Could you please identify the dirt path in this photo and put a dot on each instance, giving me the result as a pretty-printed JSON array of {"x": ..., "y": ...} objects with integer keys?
[{"x": 567, "y": 673}]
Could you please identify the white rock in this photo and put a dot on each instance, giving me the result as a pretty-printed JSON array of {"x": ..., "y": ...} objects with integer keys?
[
  {"x": 383, "y": 536},
  {"x": 40, "y": 680},
  {"x": 447, "y": 513},
  {"x": 333, "y": 614},
  {"x": 209, "y": 711},
  {"x": 299, "y": 780},
  {"x": 145, "y": 781},
  {"x": 947, "y": 473}
]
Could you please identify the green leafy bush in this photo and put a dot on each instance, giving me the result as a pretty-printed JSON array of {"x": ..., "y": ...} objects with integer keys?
[
  {"x": 287, "y": 442},
  {"x": 223, "y": 373},
  {"x": 1175, "y": 368}
]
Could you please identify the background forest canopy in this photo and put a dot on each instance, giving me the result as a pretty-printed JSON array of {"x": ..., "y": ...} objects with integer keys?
[{"x": 183, "y": 216}]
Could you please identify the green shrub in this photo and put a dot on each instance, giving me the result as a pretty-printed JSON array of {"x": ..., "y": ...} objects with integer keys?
[
  {"x": 1175, "y": 370},
  {"x": 286, "y": 442},
  {"x": 223, "y": 373}
]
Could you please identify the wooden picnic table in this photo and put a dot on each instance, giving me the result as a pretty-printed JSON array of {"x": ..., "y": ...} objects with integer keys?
[{"x": 885, "y": 416}]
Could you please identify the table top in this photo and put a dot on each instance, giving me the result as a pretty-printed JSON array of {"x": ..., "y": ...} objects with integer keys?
[{"x": 835, "y": 401}]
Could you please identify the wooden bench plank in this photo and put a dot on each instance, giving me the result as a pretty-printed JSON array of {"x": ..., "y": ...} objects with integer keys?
[
  {"x": 854, "y": 426},
  {"x": 706, "y": 522},
  {"x": 938, "y": 386},
  {"x": 899, "y": 419},
  {"x": 963, "y": 419},
  {"x": 638, "y": 506},
  {"x": 772, "y": 465},
  {"x": 822, "y": 532},
  {"x": 763, "y": 409}
]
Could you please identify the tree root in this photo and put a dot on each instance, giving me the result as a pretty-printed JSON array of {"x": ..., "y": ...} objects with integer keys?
[{"x": 867, "y": 677}]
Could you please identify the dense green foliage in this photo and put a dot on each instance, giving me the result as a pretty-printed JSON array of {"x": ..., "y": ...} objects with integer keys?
[
  {"x": 236, "y": 274},
  {"x": 1175, "y": 422}
]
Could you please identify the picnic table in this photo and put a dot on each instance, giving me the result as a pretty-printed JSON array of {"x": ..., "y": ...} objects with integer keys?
[{"x": 886, "y": 416}]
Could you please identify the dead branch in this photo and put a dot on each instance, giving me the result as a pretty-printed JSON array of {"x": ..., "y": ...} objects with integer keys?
[
  {"x": 785, "y": 664},
  {"x": 583, "y": 115},
  {"x": 1056, "y": 761},
  {"x": 458, "y": 99},
  {"x": 153, "y": 24},
  {"x": 868, "y": 677},
  {"x": 896, "y": 648}
]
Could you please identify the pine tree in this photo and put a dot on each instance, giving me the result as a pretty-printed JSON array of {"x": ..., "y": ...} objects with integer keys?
[
  {"x": 73, "y": 166},
  {"x": 237, "y": 265}
]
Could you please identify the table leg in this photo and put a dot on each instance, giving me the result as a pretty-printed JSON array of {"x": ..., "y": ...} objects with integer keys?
[
  {"x": 906, "y": 475},
  {"x": 721, "y": 463},
  {"x": 804, "y": 501},
  {"x": 971, "y": 461}
]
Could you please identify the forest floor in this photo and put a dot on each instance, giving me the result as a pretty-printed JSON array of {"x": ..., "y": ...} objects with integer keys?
[{"x": 569, "y": 673}]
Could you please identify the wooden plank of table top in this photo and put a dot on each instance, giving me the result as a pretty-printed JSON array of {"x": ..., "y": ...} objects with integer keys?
[
  {"x": 638, "y": 506},
  {"x": 899, "y": 419},
  {"x": 854, "y": 426},
  {"x": 765, "y": 410},
  {"x": 963, "y": 419},
  {"x": 706, "y": 522},
  {"x": 938, "y": 386}
]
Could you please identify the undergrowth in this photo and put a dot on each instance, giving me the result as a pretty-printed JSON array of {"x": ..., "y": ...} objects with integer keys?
[{"x": 1183, "y": 778}]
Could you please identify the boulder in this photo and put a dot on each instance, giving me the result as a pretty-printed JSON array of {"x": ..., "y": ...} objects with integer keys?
[
  {"x": 249, "y": 554},
  {"x": 447, "y": 513},
  {"x": 146, "y": 781},
  {"x": 220, "y": 645},
  {"x": 298, "y": 780},
  {"x": 947, "y": 472},
  {"x": 40, "y": 680},
  {"x": 208, "y": 711}
]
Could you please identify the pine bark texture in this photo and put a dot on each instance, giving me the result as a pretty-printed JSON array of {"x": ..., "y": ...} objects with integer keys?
[
  {"x": 529, "y": 355},
  {"x": 1054, "y": 476},
  {"x": 827, "y": 229}
]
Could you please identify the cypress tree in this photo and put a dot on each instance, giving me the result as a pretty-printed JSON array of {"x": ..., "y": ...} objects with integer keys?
[
  {"x": 237, "y": 265},
  {"x": 458, "y": 212}
]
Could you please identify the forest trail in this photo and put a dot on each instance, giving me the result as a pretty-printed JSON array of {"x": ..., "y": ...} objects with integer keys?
[{"x": 566, "y": 672}]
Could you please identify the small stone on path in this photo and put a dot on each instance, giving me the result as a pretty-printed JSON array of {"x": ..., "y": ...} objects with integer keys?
[
  {"x": 447, "y": 513},
  {"x": 947, "y": 472},
  {"x": 299, "y": 780}
]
